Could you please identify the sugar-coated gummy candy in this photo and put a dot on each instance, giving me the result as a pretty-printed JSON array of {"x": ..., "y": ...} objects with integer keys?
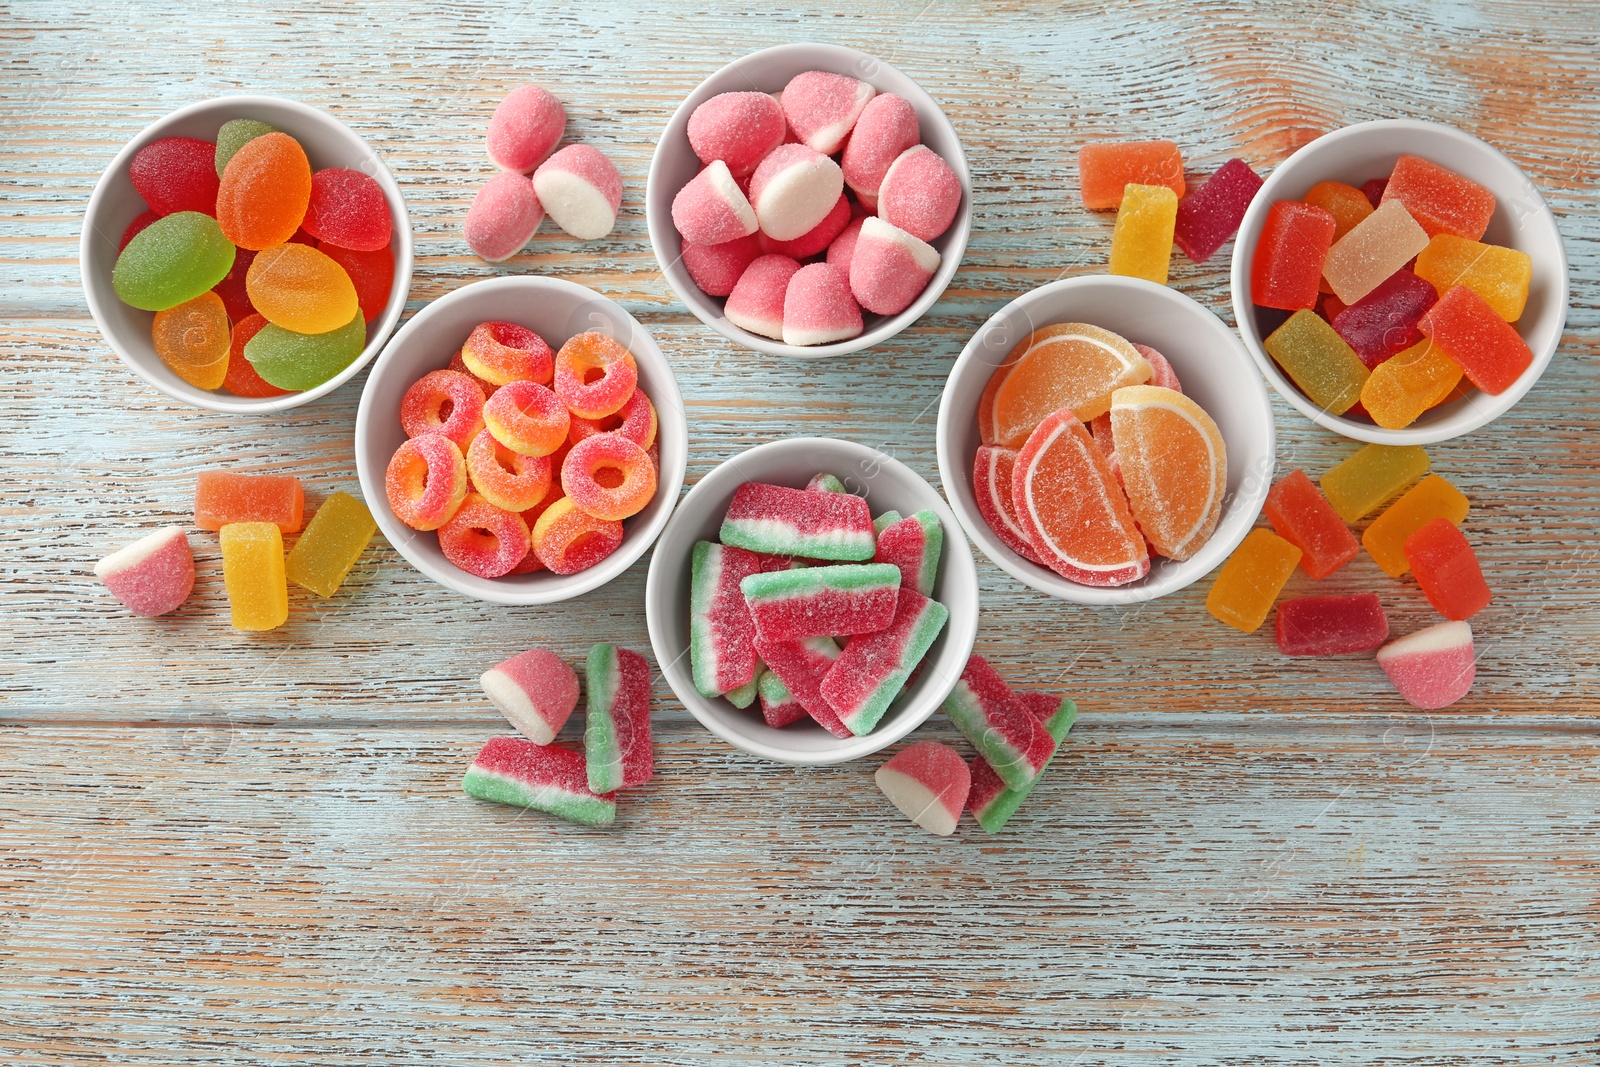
[
  {"x": 616, "y": 733},
  {"x": 1348, "y": 205},
  {"x": 595, "y": 375},
  {"x": 524, "y": 128},
  {"x": 1068, "y": 365},
  {"x": 253, "y": 574},
  {"x": 348, "y": 208},
  {"x": 608, "y": 476},
  {"x": 756, "y": 303},
  {"x": 1211, "y": 214},
  {"x": 547, "y": 778},
  {"x": 1320, "y": 362},
  {"x": 1409, "y": 383},
  {"x": 920, "y": 193},
  {"x": 928, "y": 782},
  {"x": 569, "y": 540},
  {"x": 1501, "y": 276},
  {"x": 886, "y": 128},
  {"x": 824, "y": 482},
  {"x": 841, "y": 252},
  {"x": 176, "y": 174},
  {"x": 1384, "y": 321},
  {"x": 1441, "y": 200},
  {"x": 507, "y": 479},
  {"x": 815, "y": 240},
  {"x": 241, "y": 378},
  {"x": 889, "y": 268},
  {"x": 1487, "y": 348},
  {"x": 998, "y": 724},
  {"x": 504, "y": 352},
  {"x": 1302, "y": 516},
  {"x": 802, "y": 665},
  {"x": 779, "y": 707},
  {"x": 822, "y": 108},
  {"x": 883, "y": 522},
  {"x": 234, "y": 135},
  {"x": 1141, "y": 243},
  {"x": 334, "y": 539},
  {"x": 445, "y": 402},
  {"x": 1373, "y": 189},
  {"x": 1432, "y": 498},
  {"x": 224, "y": 497},
  {"x": 992, "y": 801},
  {"x": 535, "y": 690},
  {"x": 745, "y": 695},
  {"x": 264, "y": 191},
  {"x": 1174, "y": 466},
  {"x": 1432, "y": 668},
  {"x": 1373, "y": 250},
  {"x": 1287, "y": 266},
  {"x": 459, "y": 365},
  {"x": 1251, "y": 579},
  {"x": 528, "y": 418},
  {"x": 793, "y": 190},
  {"x": 504, "y": 215},
  {"x": 913, "y": 544},
  {"x": 175, "y": 258},
  {"x": 1069, "y": 504},
  {"x": 713, "y": 209},
  {"x": 1106, "y": 170},
  {"x": 738, "y": 129},
  {"x": 1359, "y": 483},
  {"x": 835, "y": 601},
  {"x": 636, "y": 420},
  {"x": 153, "y": 575},
  {"x": 233, "y": 288},
  {"x": 140, "y": 222},
  {"x": 1447, "y": 569},
  {"x": 992, "y": 468},
  {"x": 580, "y": 189},
  {"x": 874, "y": 667},
  {"x": 301, "y": 289},
  {"x": 1161, "y": 370},
  {"x": 792, "y": 522},
  {"x": 292, "y": 360},
  {"x": 192, "y": 339},
  {"x": 715, "y": 269},
  {"x": 372, "y": 273},
  {"x": 819, "y": 308},
  {"x": 722, "y": 653},
  {"x": 484, "y": 540},
  {"x": 1331, "y": 625},
  {"x": 426, "y": 481}
]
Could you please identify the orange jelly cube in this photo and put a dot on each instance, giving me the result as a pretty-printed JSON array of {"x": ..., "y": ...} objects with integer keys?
[
  {"x": 1441, "y": 200},
  {"x": 1105, "y": 170},
  {"x": 223, "y": 497},
  {"x": 1487, "y": 348},
  {"x": 1304, "y": 518}
]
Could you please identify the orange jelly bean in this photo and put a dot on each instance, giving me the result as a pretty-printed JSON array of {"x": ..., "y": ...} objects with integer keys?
[
  {"x": 192, "y": 339},
  {"x": 264, "y": 192},
  {"x": 301, "y": 289}
]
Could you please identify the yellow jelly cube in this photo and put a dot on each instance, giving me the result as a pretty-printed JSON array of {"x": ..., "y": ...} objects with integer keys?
[
  {"x": 1319, "y": 361},
  {"x": 1403, "y": 387},
  {"x": 1375, "y": 473},
  {"x": 252, "y": 571},
  {"x": 332, "y": 543},
  {"x": 1251, "y": 580},
  {"x": 1500, "y": 275},
  {"x": 1141, "y": 244},
  {"x": 1432, "y": 498}
]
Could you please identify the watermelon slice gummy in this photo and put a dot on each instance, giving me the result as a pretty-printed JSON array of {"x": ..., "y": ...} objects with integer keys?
[
  {"x": 794, "y": 522},
  {"x": 847, "y": 598},
  {"x": 616, "y": 735},
  {"x": 801, "y": 666},
  {"x": 874, "y": 668},
  {"x": 913, "y": 544},
  {"x": 999, "y": 725},
  {"x": 825, "y": 483},
  {"x": 778, "y": 706},
  {"x": 548, "y": 778},
  {"x": 991, "y": 800},
  {"x": 721, "y": 653}
]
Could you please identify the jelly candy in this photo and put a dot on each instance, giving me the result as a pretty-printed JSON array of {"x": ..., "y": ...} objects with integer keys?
[
  {"x": 594, "y": 375},
  {"x": 1302, "y": 516},
  {"x": 192, "y": 339},
  {"x": 1174, "y": 466},
  {"x": 1326, "y": 369},
  {"x": 503, "y": 352},
  {"x": 1384, "y": 321},
  {"x": 300, "y": 289},
  {"x": 841, "y": 253},
  {"x": 1287, "y": 267},
  {"x": 616, "y": 733},
  {"x": 887, "y": 127},
  {"x": 712, "y": 209},
  {"x": 174, "y": 259},
  {"x": 372, "y": 273},
  {"x": 756, "y": 303},
  {"x": 884, "y": 521},
  {"x": 1372, "y": 474},
  {"x": 547, "y": 778},
  {"x": 1251, "y": 580},
  {"x": 443, "y": 401},
  {"x": 1000, "y": 726},
  {"x": 1500, "y": 275},
  {"x": 293, "y": 360},
  {"x": 524, "y": 128},
  {"x": 739, "y": 129},
  {"x": 779, "y": 707},
  {"x": 426, "y": 481},
  {"x": 252, "y": 572},
  {"x": 792, "y": 190},
  {"x": 1161, "y": 372},
  {"x": 1141, "y": 243},
  {"x": 823, "y": 482},
  {"x": 636, "y": 421},
  {"x": 874, "y": 668},
  {"x": 1489, "y": 351},
  {"x": 224, "y": 497},
  {"x": 234, "y": 135},
  {"x": 1331, "y": 625},
  {"x": 819, "y": 308},
  {"x": 233, "y": 289},
  {"x": 1106, "y": 170},
  {"x": 715, "y": 269},
  {"x": 815, "y": 240},
  {"x": 1403, "y": 387},
  {"x": 1211, "y": 214},
  {"x": 334, "y": 539},
  {"x": 1069, "y": 504},
  {"x": 482, "y": 539},
  {"x": 846, "y": 598},
  {"x": 508, "y": 480},
  {"x": 153, "y": 575},
  {"x": 608, "y": 476},
  {"x": 535, "y": 690},
  {"x": 745, "y": 695},
  {"x": 991, "y": 800},
  {"x": 722, "y": 653},
  {"x": 176, "y": 174},
  {"x": 929, "y": 783},
  {"x": 991, "y": 482},
  {"x": 264, "y": 191},
  {"x": 1373, "y": 190},
  {"x": 136, "y": 227},
  {"x": 913, "y": 544},
  {"x": 1347, "y": 204},
  {"x": 347, "y": 208},
  {"x": 1068, "y": 365},
  {"x": 503, "y": 217},
  {"x": 241, "y": 378},
  {"x": 920, "y": 193},
  {"x": 792, "y": 522},
  {"x": 801, "y": 665},
  {"x": 1379, "y": 245},
  {"x": 822, "y": 107},
  {"x": 1432, "y": 498},
  {"x": 526, "y": 417},
  {"x": 568, "y": 540},
  {"x": 1441, "y": 200},
  {"x": 1447, "y": 569},
  {"x": 1431, "y": 668},
  {"x": 580, "y": 189}
]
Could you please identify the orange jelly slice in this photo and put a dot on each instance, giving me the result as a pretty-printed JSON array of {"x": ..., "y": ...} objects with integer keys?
[
  {"x": 1174, "y": 467},
  {"x": 1068, "y": 365}
]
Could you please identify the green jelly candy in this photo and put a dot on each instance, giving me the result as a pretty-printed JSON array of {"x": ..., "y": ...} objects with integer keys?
[
  {"x": 173, "y": 259},
  {"x": 233, "y": 136},
  {"x": 292, "y": 360}
]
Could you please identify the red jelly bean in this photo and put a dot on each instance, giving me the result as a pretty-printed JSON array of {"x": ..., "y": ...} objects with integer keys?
[
  {"x": 372, "y": 273},
  {"x": 242, "y": 379},
  {"x": 176, "y": 174},
  {"x": 348, "y": 208},
  {"x": 135, "y": 228},
  {"x": 232, "y": 289}
]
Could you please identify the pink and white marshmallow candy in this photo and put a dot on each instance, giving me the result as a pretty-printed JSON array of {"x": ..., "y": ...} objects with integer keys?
[
  {"x": 737, "y": 128},
  {"x": 844, "y": 245},
  {"x": 503, "y": 216},
  {"x": 536, "y": 692},
  {"x": 793, "y": 190},
  {"x": 890, "y": 268},
  {"x": 153, "y": 575},
  {"x": 920, "y": 193},
  {"x": 712, "y": 209},
  {"x": 757, "y": 301},
  {"x": 1432, "y": 668},
  {"x": 716, "y": 269},
  {"x": 929, "y": 783},
  {"x": 822, "y": 107},
  {"x": 580, "y": 190},
  {"x": 524, "y": 128},
  {"x": 815, "y": 240},
  {"x": 818, "y": 308},
  {"x": 887, "y": 127}
]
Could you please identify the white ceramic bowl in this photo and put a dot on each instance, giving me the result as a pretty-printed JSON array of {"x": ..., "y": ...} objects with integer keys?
[
  {"x": 114, "y": 204},
  {"x": 769, "y": 70},
  {"x": 1212, "y": 366},
  {"x": 1522, "y": 220},
  {"x": 556, "y": 310},
  {"x": 887, "y": 484}
]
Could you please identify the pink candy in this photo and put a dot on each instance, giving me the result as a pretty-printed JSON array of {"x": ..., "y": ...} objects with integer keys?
[
  {"x": 1431, "y": 668},
  {"x": 737, "y": 128},
  {"x": 815, "y": 240},
  {"x": 712, "y": 209},
  {"x": 822, "y": 107},
  {"x": 536, "y": 692},
  {"x": 843, "y": 248},
  {"x": 793, "y": 190},
  {"x": 716, "y": 268},
  {"x": 580, "y": 190},
  {"x": 889, "y": 268},
  {"x": 153, "y": 575},
  {"x": 757, "y": 301},
  {"x": 929, "y": 783},
  {"x": 920, "y": 193},
  {"x": 525, "y": 127},
  {"x": 887, "y": 127},
  {"x": 503, "y": 216},
  {"x": 818, "y": 307},
  {"x": 1163, "y": 374},
  {"x": 801, "y": 666}
]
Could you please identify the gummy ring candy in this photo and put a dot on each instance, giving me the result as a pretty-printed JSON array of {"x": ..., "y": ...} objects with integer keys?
[
  {"x": 484, "y": 540},
  {"x": 502, "y": 352},
  {"x": 504, "y": 478},
  {"x": 526, "y": 417},
  {"x": 426, "y": 481},
  {"x": 636, "y": 421},
  {"x": 459, "y": 365},
  {"x": 531, "y": 562},
  {"x": 443, "y": 402},
  {"x": 608, "y": 476},
  {"x": 595, "y": 375},
  {"x": 568, "y": 540}
]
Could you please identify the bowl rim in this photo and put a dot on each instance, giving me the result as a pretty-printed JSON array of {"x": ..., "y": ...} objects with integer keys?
[
  {"x": 953, "y": 470},
  {"x": 218, "y": 401},
  {"x": 961, "y": 627},
  {"x": 670, "y": 419},
  {"x": 949, "y": 263},
  {"x": 1485, "y": 409}
]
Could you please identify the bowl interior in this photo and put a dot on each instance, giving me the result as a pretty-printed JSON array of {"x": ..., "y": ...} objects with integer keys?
[
  {"x": 887, "y": 485},
  {"x": 1213, "y": 367},
  {"x": 769, "y": 70},
  {"x": 1521, "y": 220},
  {"x": 556, "y": 310},
  {"x": 115, "y": 204}
]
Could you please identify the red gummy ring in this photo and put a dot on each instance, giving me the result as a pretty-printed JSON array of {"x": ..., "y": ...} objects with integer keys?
[
  {"x": 568, "y": 540},
  {"x": 426, "y": 481},
  {"x": 594, "y": 375},
  {"x": 484, "y": 540},
  {"x": 504, "y": 478},
  {"x": 609, "y": 477},
  {"x": 636, "y": 421},
  {"x": 443, "y": 402},
  {"x": 501, "y": 352}
]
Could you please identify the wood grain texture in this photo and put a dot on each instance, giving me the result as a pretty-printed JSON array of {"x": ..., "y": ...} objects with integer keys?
[{"x": 221, "y": 847}]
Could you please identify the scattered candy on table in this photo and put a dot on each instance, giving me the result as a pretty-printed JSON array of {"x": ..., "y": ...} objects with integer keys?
[
  {"x": 153, "y": 575},
  {"x": 1331, "y": 625},
  {"x": 929, "y": 783},
  {"x": 252, "y": 570},
  {"x": 1432, "y": 668},
  {"x": 323, "y": 556}
]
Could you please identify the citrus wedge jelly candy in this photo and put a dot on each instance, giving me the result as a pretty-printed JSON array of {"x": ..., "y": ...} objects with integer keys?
[
  {"x": 1432, "y": 498},
  {"x": 1500, "y": 275},
  {"x": 1319, "y": 361},
  {"x": 292, "y": 360},
  {"x": 1287, "y": 267},
  {"x": 1068, "y": 365},
  {"x": 1489, "y": 351},
  {"x": 722, "y": 653},
  {"x": 1431, "y": 668},
  {"x": 174, "y": 259},
  {"x": 1375, "y": 248},
  {"x": 1302, "y": 516},
  {"x": 1447, "y": 570},
  {"x": 1141, "y": 243},
  {"x": 1356, "y": 485},
  {"x": 1331, "y": 625},
  {"x": 1106, "y": 170},
  {"x": 913, "y": 544},
  {"x": 535, "y": 690},
  {"x": 779, "y": 707},
  {"x": 1251, "y": 579},
  {"x": 991, "y": 800},
  {"x": 1385, "y": 321},
  {"x": 264, "y": 192},
  {"x": 1211, "y": 214},
  {"x": 1401, "y": 388},
  {"x": 792, "y": 522},
  {"x": 616, "y": 731},
  {"x": 252, "y": 572},
  {"x": 999, "y": 724},
  {"x": 802, "y": 665},
  {"x": 1174, "y": 466},
  {"x": 929, "y": 783},
  {"x": 234, "y": 135},
  {"x": 301, "y": 289},
  {"x": 547, "y": 778},
  {"x": 874, "y": 668},
  {"x": 193, "y": 340},
  {"x": 223, "y": 497},
  {"x": 1074, "y": 513},
  {"x": 991, "y": 483},
  {"x": 1347, "y": 204},
  {"x": 1441, "y": 200},
  {"x": 334, "y": 539},
  {"x": 846, "y": 598}
]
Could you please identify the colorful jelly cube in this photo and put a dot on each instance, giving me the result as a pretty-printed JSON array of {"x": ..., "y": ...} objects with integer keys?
[
  {"x": 252, "y": 572},
  {"x": 1331, "y": 625},
  {"x": 1211, "y": 214},
  {"x": 1385, "y": 320},
  {"x": 335, "y": 538},
  {"x": 1348, "y": 205},
  {"x": 1401, "y": 388},
  {"x": 223, "y": 497},
  {"x": 1441, "y": 200},
  {"x": 1374, "y": 249},
  {"x": 1489, "y": 351},
  {"x": 1447, "y": 570},
  {"x": 1317, "y": 359},
  {"x": 1303, "y": 517},
  {"x": 1287, "y": 265},
  {"x": 1500, "y": 275},
  {"x": 1106, "y": 170},
  {"x": 1374, "y": 473},
  {"x": 1141, "y": 243},
  {"x": 1251, "y": 579},
  {"x": 1432, "y": 498}
]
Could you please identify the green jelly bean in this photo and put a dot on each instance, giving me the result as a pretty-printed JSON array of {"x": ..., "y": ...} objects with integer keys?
[
  {"x": 173, "y": 259},
  {"x": 292, "y": 360},
  {"x": 235, "y": 133}
]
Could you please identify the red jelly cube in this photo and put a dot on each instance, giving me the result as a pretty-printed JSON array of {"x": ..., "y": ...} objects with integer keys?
[
  {"x": 1374, "y": 190},
  {"x": 1447, "y": 570},
  {"x": 1331, "y": 625},
  {"x": 1441, "y": 200},
  {"x": 1303, "y": 517},
  {"x": 1490, "y": 351},
  {"x": 1287, "y": 266},
  {"x": 1211, "y": 214},
  {"x": 1385, "y": 320}
]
